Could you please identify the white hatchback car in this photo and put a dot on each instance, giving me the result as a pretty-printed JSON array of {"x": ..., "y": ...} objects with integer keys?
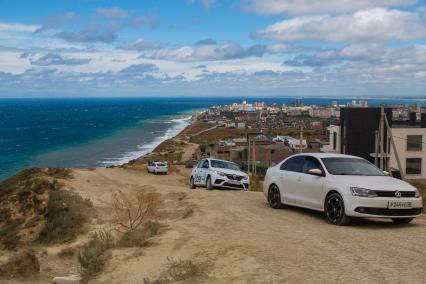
[
  {"x": 218, "y": 173},
  {"x": 342, "y": 186},
  {"x": 157, "y": 167}
]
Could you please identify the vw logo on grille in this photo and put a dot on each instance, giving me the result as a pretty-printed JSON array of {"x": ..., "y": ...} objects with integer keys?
[{"x": 397, "y": 194}]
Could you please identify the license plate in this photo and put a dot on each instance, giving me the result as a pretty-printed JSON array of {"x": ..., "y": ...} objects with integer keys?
[
  {"x": 400, "y": 205},
  {"x": 234, "y": 181}
]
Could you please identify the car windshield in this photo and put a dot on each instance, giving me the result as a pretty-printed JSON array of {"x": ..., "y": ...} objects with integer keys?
[
  {"x": 351, "y": 166},
  {"x": 224, "y": 165}
]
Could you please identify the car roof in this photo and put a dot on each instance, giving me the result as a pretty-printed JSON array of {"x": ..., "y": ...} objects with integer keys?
[
  {"x": 326, "y": 155},
  {"x": 220, "y": 160}
]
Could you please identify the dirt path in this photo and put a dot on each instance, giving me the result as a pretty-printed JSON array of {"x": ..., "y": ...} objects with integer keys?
[{"x": 237, "y": 238}]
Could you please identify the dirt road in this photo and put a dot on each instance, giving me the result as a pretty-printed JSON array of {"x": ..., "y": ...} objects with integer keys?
[{"x": 237, "y": 238}]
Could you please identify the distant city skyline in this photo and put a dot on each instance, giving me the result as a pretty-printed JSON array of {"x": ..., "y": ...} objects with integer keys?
[{"x": 253, "y": 48}]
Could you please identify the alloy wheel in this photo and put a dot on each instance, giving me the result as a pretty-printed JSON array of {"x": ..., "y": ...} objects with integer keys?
[{"x": 274, "y": 197}]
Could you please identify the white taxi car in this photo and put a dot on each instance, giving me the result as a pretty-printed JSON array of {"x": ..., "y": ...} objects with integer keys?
[
  {"x": 342, "y": 186},
  {"x": 218, "y": 173}
]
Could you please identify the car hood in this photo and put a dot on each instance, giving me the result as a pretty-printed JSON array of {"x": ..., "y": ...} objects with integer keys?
[
  {"x": 373, "y": 182},
  {"x": 229, "y": 171}
]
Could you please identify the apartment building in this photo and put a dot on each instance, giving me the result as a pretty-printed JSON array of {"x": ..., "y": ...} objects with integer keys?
[{"x": 356, "y": 135}]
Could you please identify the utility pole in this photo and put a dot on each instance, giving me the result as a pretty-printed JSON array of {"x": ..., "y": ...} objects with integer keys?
[
  {"x": 382, "y": 134},
  {"x": 301, "y": 138},
  {"x": 248, "y": 154},
  {"x": 254, "y": 157},
  {"x": 387, "y": 154},
  {"x": 394, "y": 147},
  {"x": 376, "y": 147}
]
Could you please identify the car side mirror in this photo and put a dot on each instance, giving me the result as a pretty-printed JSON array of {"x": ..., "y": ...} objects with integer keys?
[
  {"x": 386, "y": 173},
  {"x": 315, "y": 172}
]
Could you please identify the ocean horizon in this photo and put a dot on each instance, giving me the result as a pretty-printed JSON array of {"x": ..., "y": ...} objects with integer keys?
[{"x": 94, "y": 132}]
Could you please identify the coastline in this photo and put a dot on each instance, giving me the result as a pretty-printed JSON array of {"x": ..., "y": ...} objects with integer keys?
[
  {"x": 169, "y": 144},
  {"x": 148, "y": 148}
]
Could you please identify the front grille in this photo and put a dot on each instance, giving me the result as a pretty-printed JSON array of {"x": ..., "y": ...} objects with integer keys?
[
  {"x": 388, "y": 212},
  {"x": 235, "y": 185},
  {"x": 390, "y": 193},
  {"x": 234, "y": 177}
]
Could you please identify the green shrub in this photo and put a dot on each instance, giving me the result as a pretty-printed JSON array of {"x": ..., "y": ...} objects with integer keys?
[
  {"x": 67, "y": 213},
  {"x": 91, "y": 257}
]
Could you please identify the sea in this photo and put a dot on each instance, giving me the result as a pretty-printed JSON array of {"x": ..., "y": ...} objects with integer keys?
[{"x": 96, "y": 132}]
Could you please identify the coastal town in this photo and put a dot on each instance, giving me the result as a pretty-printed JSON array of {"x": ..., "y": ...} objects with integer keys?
[{"x": 256, "y": 135}]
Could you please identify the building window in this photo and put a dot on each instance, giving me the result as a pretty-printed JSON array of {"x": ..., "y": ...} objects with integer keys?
[
  {"x": 334, "y": 140},
  {"x": 413, "y": 166},
  {"x": 414, "y": 142}
]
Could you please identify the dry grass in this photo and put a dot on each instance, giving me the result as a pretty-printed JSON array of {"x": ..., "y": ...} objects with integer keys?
[
  {"x": 140, "y": 237},
  {"x": 67, "y": 212},
  {"x": 92, "y": 257},
  {"x": 67, "y": 252},
  {"x": 188, "y": 213},
  {"x": 26, "y": 207},
  {"x": 132, "y": 211},
  {"x": 256, "y": 183},
  {"x": 22, "y": 265},
  {"x": 180, "y": 271},
  {"x": 134, "y": 215}
]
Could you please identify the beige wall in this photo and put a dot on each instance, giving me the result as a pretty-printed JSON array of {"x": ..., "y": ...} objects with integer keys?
[
  {"x": 334, "y": 128},
  {"x": 400, "y": 138}
]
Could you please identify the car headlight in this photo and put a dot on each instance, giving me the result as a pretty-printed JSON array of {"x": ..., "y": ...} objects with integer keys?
[
  {"x": 245, "y": 177},
  {"x": 417, "y": 193},
  {"x": 363, "y": 192},
  {"x": 220, "y": 173}
]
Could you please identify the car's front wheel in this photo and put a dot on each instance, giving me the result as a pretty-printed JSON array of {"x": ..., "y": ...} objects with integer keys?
[
  {"x": 274, "y": 197},
  {"x": 402, "y": 220},
  {"x": 335, "y": 210},
  {"x": 209, "y": 185},
  {"x": 192, "y": 183}
]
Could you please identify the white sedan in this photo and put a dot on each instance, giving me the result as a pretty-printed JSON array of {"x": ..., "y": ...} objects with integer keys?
[
  {"x": 342, "y": 186},
  {"x": 156, "y": 167},
  {"x": 218, "y": 173}
]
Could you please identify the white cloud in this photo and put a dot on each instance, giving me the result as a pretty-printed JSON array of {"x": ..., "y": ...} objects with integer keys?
[
  {"x": 14, "y": 27},
  {"x": 377, "y": 24},
  {"x": 113, "y": 12},
  {"x": 309, "y": 7},
  {"x": 210, "y": 52},
  {"x": 141, "y": 44}
]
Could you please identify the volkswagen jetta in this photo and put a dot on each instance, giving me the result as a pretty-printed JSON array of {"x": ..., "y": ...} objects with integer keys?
[{"x": 342, "y": 186}]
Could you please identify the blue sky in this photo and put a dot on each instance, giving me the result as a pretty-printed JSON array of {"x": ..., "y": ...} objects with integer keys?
[{"x": 213, "y": 48}]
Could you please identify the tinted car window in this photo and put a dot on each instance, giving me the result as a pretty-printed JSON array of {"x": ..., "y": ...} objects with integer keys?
[
  {"x": 310, "y": 163},
  {"x": 224, "y": 165},
  {"x": 293, "y": 164},
  {"x": 351, "y": 166},
  {"x": 206, "y": 164},
  {"x": 200, "y": 164}
]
